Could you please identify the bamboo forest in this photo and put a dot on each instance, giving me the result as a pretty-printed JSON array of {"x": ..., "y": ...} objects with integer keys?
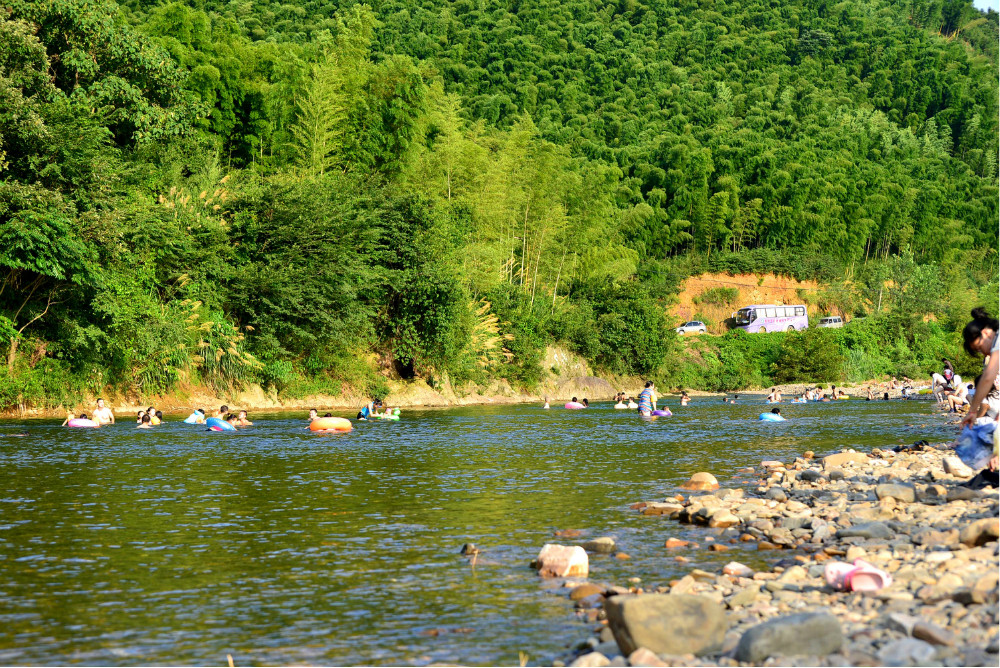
[{"x": 320, "y": 195}]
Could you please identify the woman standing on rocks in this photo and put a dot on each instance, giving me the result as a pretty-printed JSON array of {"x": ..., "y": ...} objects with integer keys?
[{"x": 981, "y": 338}]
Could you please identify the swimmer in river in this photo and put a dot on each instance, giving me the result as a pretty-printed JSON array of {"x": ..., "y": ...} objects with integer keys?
[
  {"x": 221, "y": 413},
  {"x": 546, "y": 406},
  {"x": 69, "y": 416},
  {"x": 685, "y": 399},
  {"x": 102, "y": 414},
  {"x": 146, "y": 422},
  {"x": 242, "y": 420}
]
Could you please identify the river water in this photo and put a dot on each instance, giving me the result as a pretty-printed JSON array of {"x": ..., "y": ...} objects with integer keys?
[{"x": 178, "y": 546}]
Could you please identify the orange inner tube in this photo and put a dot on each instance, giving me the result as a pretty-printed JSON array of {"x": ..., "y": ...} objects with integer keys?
[{"x": 331, "y": 424}]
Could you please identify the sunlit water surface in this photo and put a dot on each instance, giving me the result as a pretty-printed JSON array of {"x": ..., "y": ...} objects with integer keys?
[{"x": 276, "y": 545}]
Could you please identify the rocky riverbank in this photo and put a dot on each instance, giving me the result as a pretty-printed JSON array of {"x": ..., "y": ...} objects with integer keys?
[{"x": 903, "y": 512}]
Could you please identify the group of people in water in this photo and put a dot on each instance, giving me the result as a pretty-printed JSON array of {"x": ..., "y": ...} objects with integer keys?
[{"x": 222, "y": 419}]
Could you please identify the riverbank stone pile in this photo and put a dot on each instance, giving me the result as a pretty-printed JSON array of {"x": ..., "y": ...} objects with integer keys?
[{"x": 903, "y": 512}]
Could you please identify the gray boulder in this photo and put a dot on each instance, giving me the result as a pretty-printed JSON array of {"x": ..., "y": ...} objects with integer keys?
[
  {"x": 667, "y": 623},
  {"x": 602, "y": 545},
  {"x": 806, "y": 634},
  {"x": 900, "y": 492}
]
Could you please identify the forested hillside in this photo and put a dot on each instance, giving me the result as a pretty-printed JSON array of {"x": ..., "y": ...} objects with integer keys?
[{"x": 315, "y": 193}]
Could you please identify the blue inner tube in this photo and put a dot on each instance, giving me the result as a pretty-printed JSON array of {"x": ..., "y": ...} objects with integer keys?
[
  {"x": 219, "y": 424},
  {"x": 660, "y": 412},
  {"x": 771, "y": 417}
]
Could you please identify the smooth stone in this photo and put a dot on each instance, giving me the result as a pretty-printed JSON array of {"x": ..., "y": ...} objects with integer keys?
[
  {"x": 796, "y": 522},
  {"x": 702, "y": 481},
  {"x": 591, "y": 660},
  {"x": 868, "y": 530},
  {"x": 934, "y": 537},
  {"x": 602, "y": 545},
  {"x": 804, "y": 634},
  {"x": 963, "y": 494},
  {"x": 854, "y": 552},
  {"x": 842, "y": 458},
  {"x": 776, "y": 494},
  {"x": 737, "y": 569},
  {"x": 744, "y": 597},
  {"x": 583, "y": 591},
  {"x": 985, "y": 589},
  {"x": 675, "y": 542},
  {"x": 907, "y": 652},
  {"x": 723, "y": 519},
  {"x": 980, "y": 532},
  {"x": 811, "y": 475},
  {"x": 898, "y": 621},
  {"x": 956, "y": 467},
  {"x": 644, "y": 657},
  {"x": 562, "y": 561},
  {"x": 933, "y": 634},
  {"x": 669, "y": 509},
  {"x": 667, "y": 623},
  {"x": 904, "y": 493}
]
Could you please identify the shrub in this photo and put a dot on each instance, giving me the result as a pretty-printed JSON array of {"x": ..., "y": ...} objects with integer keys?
[
  {"x": 810, "y": 355},
  {"x": 718, "y": 296}
]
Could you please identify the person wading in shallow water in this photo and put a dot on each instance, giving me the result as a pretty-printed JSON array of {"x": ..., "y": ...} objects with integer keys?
[
  {"x": 647, "y": 399},
  {"x": 103, "y": 414}
]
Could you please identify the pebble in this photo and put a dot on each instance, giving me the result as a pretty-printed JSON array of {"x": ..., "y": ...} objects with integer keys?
[
  {"x": 644, "y": 657},
  {"x": 591, "y": 660},
  {"x": 932, "y": 633},
  {"x": 737, "y": 569}
]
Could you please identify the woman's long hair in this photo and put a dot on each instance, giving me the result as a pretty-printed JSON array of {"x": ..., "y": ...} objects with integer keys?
[{"x": 980, "y": 321}]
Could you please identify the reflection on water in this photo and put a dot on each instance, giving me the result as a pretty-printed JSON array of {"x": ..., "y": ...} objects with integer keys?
[{"x": 276, "y": 545}]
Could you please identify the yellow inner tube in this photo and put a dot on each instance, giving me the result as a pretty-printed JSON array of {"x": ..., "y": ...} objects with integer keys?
[{"x": 331, "y": 424}]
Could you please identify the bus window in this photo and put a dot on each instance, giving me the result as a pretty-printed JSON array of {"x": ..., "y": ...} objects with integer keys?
[
  {"x": 769, "y": 313},
  {"x": 799, "y": 310}
]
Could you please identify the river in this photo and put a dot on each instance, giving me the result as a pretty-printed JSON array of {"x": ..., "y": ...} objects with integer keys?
[{"x": 278, "y": 546}]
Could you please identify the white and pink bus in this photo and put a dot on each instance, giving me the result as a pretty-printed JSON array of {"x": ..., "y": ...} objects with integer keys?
[{"x": 771, "y": 318}]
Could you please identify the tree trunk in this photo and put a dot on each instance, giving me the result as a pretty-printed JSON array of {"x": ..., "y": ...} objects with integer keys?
[
  {"x": 555, "y": 291},
  {"x": 12, "y": 352}
]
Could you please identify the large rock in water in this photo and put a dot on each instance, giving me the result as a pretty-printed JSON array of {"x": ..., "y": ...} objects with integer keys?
[
  {"x": 560, "y": 561},
  {"x": 806, "y": 634},
  {"x": 602, "y": 545},
  {"x": 702, "y": 482},
  {"x": 666, "y": 623}
]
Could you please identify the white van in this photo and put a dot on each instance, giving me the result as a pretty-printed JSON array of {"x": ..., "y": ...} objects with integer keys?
[{"x": 831, "y": 321}]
